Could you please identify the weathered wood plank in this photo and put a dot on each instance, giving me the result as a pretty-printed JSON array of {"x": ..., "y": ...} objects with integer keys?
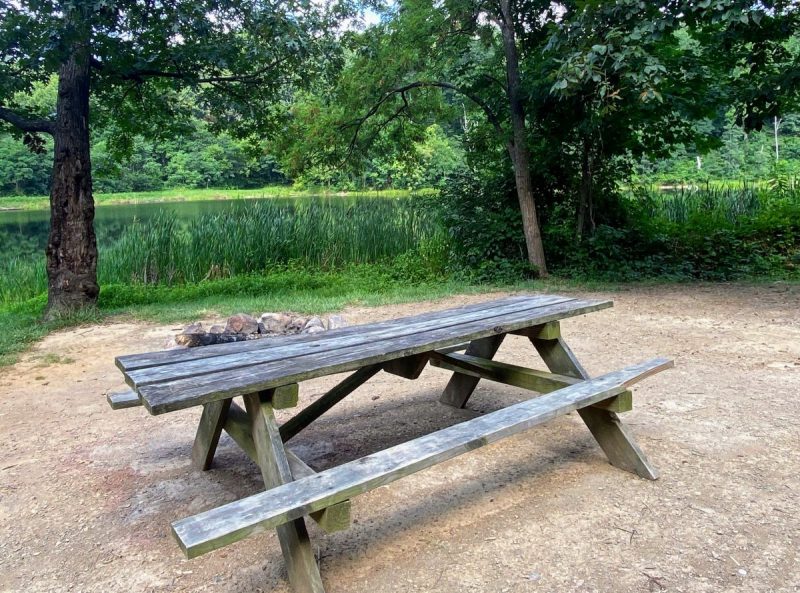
[
  {"x": 293, "y": 535},
  {"x": 208, "y": 431},
  {"x": 234, "y": 521},
  {"x": 126, "y": 398},
  {"x": 284, "y": 348},
  {"x": 501, "y": 372},
  {"x": 331, "y": 519},
  {"x": 613, "y": 437},
  {"x": 133, "y": 362},
  {"x": 307, "y": 415},
  {"x": 165, "y": 397},
  {"x": 460, "y": 386}
]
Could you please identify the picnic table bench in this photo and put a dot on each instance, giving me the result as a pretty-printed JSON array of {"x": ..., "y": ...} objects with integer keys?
[{"x": 266, "y": 374}]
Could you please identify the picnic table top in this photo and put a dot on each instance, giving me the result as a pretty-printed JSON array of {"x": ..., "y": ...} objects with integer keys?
[{"x": 176, "y": 379}]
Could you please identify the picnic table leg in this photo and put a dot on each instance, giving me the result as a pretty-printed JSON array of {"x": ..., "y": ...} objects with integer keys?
[
  {"x": 606, "y": 427},
  {"x": 460, "y": 387},
  {"x": 293, "y": 536},
  {"x": 205, "y": 441}
]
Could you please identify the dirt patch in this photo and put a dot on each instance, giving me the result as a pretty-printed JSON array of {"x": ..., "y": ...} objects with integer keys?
[{"x": 87, "y": 493}]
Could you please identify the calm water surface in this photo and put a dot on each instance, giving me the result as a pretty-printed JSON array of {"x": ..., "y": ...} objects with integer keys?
[{"x": 24, "y": 232}]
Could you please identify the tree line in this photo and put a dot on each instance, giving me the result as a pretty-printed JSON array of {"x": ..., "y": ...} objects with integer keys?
[
  {"x": 558, "y": 99},
  {"x": 201, "y": 158}
]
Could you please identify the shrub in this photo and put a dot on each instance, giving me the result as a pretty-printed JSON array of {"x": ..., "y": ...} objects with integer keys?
[{"x": 482, "y": 219}]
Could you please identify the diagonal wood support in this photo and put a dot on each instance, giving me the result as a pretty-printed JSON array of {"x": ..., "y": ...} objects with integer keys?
[
  {"x": 614, "y": 438},
  {"x": 410, "y": 367},
  {"x": 500, "y": 372},
  {"x": 306, "y": 416},
  {"x": 517, "y": 376},
  {"x": 295, "y": 543},
  {"x": 460, "y": 387}
]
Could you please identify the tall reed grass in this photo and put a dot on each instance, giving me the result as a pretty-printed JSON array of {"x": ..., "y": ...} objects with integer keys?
[
  {"x": 248, "y": 238},
  {"x": 730, "y": 204}
]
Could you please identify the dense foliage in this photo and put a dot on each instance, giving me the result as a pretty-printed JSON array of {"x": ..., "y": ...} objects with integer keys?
[
  {"x": 703, "y": 233},
  {"x": 202, "y": 158}
]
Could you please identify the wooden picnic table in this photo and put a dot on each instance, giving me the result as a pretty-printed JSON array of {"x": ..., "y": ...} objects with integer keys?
[{"x": 266, "y": 374}]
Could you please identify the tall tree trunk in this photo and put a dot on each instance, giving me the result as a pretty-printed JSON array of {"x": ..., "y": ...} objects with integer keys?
[
  {"x": 517, "y": 147},
  {"x": 72, "y": 246},
  {"x": 585, "y": 215}
]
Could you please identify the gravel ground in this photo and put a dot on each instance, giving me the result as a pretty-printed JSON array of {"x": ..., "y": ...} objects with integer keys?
[{"x": 87, "y": 494}]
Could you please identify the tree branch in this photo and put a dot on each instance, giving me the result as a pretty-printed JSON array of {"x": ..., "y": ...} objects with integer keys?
[
  {"x": 33, "y": 126},
  {"x": 358, "y": 123}
]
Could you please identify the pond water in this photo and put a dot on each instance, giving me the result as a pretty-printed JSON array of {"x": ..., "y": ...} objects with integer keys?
[{"x": 24, "y": 232}]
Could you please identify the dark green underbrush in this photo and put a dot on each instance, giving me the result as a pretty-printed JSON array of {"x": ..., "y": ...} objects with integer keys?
[{"x": 715, "y": 235}]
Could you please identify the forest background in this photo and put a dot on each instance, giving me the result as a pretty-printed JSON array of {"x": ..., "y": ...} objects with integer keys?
[{"x": 659, "y": 141}]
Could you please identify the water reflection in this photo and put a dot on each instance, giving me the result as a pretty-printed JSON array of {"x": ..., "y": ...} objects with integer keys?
[{"x": 24, "y": 232}]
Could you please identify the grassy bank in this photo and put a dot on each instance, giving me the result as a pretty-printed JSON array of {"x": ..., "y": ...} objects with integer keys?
[
  {"x": 287, "y": 289},
  {"x": 254, "y": 239},
  {"x": 197, "y": 195}
]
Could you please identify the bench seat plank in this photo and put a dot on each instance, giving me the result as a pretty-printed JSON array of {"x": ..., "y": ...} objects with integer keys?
[
  {"x": 183, "y": 393},
  {"x": 331, "y": 519},
  {"x": 133, "y": 362},
  {"x": 285, "y": 348},
  {"x": 234, "y": 521},
  {"x": 127, "y": 398}
]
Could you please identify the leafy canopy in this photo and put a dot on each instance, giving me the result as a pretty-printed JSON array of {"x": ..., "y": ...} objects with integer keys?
[{"x": 154, "y": 61}]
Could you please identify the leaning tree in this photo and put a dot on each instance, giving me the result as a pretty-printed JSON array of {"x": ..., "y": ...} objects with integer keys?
[{"x": 141, "y": 67}]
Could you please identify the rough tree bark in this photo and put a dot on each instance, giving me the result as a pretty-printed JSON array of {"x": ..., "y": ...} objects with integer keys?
[
  {"x": 517, "y": 146},
  {"x": 72, "y": 246}
]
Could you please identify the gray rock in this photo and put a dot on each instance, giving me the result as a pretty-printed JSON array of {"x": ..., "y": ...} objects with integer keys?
[
  {"x": 314, "y": 322},
  {"x": 275, "y": 322},
  {"x": 313, "y": 329},
  {"x": 241, "y": 323},
  {"x": 296, "y": 325},
  {"x": 194, "y": 340},
  {"x": 216, "y": 329},
  {"x": 193, "y": 329}
]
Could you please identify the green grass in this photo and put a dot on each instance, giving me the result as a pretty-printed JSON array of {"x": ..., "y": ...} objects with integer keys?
[
  {"x": 256, "y": 238},
  {"x": 296, "y": 290},
  {"x": 22, "y": 326},
  {"x": 195, "y": 195},
  {"x": 285, "y": 290}
]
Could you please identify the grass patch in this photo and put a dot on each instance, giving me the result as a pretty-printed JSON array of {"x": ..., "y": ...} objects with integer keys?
[
  {"x": 282, "y": 290},
  {"x": 52, "y": 358},
  {"x": 197, "y": 195},
  {"x": 296, "y": 290},
  {"x": 22, "y": 326}
]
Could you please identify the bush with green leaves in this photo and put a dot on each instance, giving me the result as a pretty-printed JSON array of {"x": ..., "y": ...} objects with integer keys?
[
  {"x": 481, "y": 217},
  {"x": 734, "y": 237}
]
